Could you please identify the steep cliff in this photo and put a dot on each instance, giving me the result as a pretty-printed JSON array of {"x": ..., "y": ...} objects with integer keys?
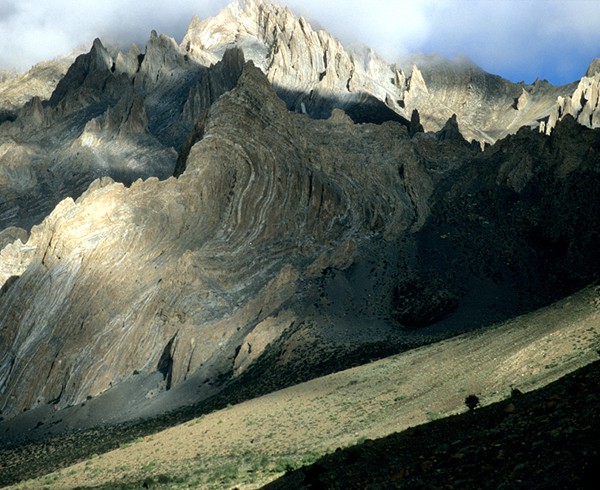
[
  {"x": 123, "y": 116},
  {"x": 310, "y": 70},
  {"x": 17, "y": 89},
  {"x": 314, "y": 73},
  {"x": 583, "y": 104},
  {"x": 127, "y": 115},
  {"x": 275, "y": 218},
  {"x": 182, "y": 270},
  {"x": 271, "y": 230}
]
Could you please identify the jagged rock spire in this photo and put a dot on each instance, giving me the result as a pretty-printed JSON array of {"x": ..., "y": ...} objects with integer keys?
[
  {"x": 415, "y": 124},
  {"x": 450, "y": 131},
  {"x": 90, "y": 68}
]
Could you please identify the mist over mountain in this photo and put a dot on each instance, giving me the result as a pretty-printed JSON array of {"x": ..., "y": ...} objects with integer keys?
[
  {"x": 553, "y": 43},
  {"x": 258, "y": 202}
]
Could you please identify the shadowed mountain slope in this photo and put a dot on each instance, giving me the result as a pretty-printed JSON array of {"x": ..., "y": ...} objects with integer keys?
[
  {"x": 341, "y": 232},
  {"x": 177, "y": 221}
]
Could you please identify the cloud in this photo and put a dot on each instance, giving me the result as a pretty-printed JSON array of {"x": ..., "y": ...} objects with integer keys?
[
  {"x": 391, "y": 28},
  {"x": 518, "y": 39},
  {"x": 36, "y": 30}
]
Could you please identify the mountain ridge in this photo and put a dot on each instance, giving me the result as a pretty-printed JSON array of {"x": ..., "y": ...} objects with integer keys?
[
  {"x": 327, "y": 205},
  {"x": 168, "y": 129},
  {"x": 170, "y": 220},
  {"x": 271, "y": 32}
]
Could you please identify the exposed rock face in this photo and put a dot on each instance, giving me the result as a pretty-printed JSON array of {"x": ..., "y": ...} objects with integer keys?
[
  {"x": 191, "y": 266},
  {"x": 310, "y": 70},
  {"x": 40, "y": 81},
  {"x": 450, "y": 131},
  {"x": 593, "y": 68},
  {"x": 279, "y": 234},
  {"x": 186, "y": 272},
  {"x": 123, "y": 117},
  {"x": 415, "y": 123},
  {"x": 128, "y": 115},
  {"x": 314, "y": 73},
  {"x": 487, "y": 106},
  {"x": 522, "y": 101},
  {"x": 15, "y": 255},
  {"x": 583, "y": 104}
]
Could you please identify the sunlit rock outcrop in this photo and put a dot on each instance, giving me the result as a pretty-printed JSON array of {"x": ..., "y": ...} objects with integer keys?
[
  {"x": 128, "y": 115},
  {"x": 310, "y": 69},
  {"x": 181, "y": 271},
  {"x": 179, "y": 218},
  {"x": 313, "y": 73},
  {"x": 122, "y": 116},
  {"x": 583, "y": 104}
]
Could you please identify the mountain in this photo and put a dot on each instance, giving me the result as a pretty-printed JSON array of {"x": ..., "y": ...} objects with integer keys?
[
  {"x": 416, "y": 395},
  {"x": 583, "y": 104},
  {"x": 259, "y": 203},
  {"x": 41, "y": 80},
  {"x": 48, "y": 153},
  {"x": 313, "y": 72}
]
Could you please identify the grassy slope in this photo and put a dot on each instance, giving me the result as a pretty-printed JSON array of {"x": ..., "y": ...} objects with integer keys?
[
  {"x": 253, "y": 442},
  {"x": 545, "y": 439}
]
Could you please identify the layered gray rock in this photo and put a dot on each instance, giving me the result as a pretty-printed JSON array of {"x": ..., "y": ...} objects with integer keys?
[
  {"x": 279, "y": 227},
  {"x": 290, "y": 236},
  {"x": 129, "y": 115},
  {"x": 123, "y": 116},
  {"x": 188, "y": 268}
]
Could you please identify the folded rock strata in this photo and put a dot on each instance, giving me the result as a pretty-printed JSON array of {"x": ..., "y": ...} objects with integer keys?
[
  {"x": 105, "y": 119},
  {"x": 185, "y": 268},
  {"x": 286, "y": 229}
]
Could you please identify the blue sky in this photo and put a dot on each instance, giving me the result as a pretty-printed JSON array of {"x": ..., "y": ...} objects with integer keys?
[{"x": 518, "y": 39}]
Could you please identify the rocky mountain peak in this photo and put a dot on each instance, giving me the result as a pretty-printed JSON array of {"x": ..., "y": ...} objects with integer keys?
[
  {"x": 162, "y": 58},
  {"x": 314, "y": 73},
  {"x": 451, "y": 131},
  {"x": 90, "y": 68},
  {"x": 416, "y": 83},
  {"x": 129, "y": 62},
  {"x": 238, "y": 22},
  {"x": 593, "y": 68},
  {"x": 311, "y": 70},
  {"x": 99, "y": 56},
  {"x": 342, "y": 225},
  {"x": 583, "y": 104}
]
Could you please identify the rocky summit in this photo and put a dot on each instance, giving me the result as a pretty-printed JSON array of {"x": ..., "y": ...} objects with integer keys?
[{"x": 258, "y": 204}]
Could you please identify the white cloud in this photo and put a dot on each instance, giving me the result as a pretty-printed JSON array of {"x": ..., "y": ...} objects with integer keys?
[
  {"x": 519, "y": 39},
  {"x": 393, "y": 28},
  {"x": 515, "y": 38},
  {"x": 35, "y": 30}
]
